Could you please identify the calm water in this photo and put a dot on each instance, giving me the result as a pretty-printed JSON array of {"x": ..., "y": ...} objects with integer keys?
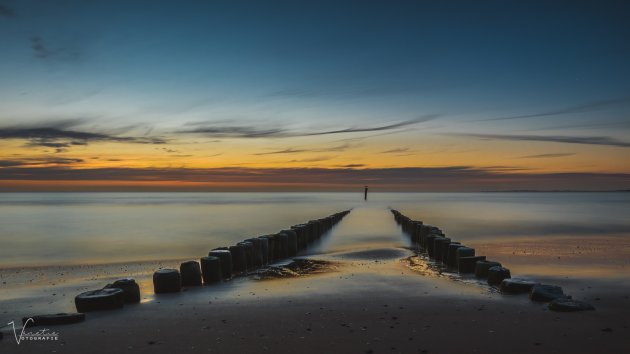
[{"x": 75, "y": 228}]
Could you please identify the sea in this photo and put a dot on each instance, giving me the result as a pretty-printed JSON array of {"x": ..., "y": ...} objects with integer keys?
[{"x": 583, "y": 234}]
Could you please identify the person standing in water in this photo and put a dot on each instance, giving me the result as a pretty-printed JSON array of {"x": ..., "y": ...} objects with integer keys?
[{"x": 365, "y": 193}]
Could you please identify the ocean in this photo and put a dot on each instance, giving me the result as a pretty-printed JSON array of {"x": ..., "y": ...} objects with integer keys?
[{"x": 55, "y": 229}]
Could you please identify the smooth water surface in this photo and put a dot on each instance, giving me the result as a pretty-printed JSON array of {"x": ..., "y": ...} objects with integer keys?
[{"x": 89, "y": 228}]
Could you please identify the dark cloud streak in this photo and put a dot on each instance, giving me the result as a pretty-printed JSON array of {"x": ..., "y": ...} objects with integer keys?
[
  {"x": 280, "y": 152},
  {"x": 352, "y": 165},
  {"x": 313, "y": 159},
  {"x": 39, "y": 49},
  {"x": 379, "y": 128},
  {"x": 585, "y": 140},
  {"x": 337, "y": 148},
  {"x": 238, "y": 132},
  {"x": 546, "y": 156},
  {"x": 36, "y": 161},
  {"x": 588, "y": 107},
  {"x": 54, "y": 137},
  {"x": 6, "y": 11},
  {"x": 42, "y": 50},
  {"x": 395, "y": 151},
  {"x": 263, "y": 132}
]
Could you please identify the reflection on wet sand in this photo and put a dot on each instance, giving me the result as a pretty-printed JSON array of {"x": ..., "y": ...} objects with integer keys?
[
  {"x": 294, "y": 268},
  {"x": 601, "y": 257}
]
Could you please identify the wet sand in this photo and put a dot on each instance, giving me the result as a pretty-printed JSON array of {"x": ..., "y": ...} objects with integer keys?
[
  {"x": 370, "y": 305},
  {"x": 604, "y": 256},
  {"x": 369, "y": 301}
]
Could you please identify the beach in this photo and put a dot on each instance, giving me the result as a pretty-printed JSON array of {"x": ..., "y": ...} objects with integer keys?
[
  {"x": 374, "y": 296},
  {"x": 368, "y": 304}
]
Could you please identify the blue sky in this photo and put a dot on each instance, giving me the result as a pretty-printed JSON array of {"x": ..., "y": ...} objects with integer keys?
[{"x": 485, "y": 70}]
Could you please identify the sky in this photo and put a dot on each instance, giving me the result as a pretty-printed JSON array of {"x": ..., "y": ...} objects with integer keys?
[{"x": 318, "y": 95}]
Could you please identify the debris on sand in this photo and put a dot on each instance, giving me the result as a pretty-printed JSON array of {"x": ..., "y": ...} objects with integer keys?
[{"x": 294, "y": 268}]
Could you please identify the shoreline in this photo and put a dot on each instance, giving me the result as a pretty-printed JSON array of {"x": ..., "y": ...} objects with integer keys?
[
  {"x": 348, "y": 191},
  {"x": 368, "y": 301},
  {"x": 371, "y": 302}
]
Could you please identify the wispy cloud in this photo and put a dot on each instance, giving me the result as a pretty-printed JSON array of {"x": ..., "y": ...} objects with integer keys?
[
  {"x": 617, "y": 125},
  {"x": 295, "y": 93},
  {"x": 47, "y": 134},
  {"x": 38, "y": 161},
  {"x": 339, "y": 92},
  {"x": 283, "y": 151},
  {"x": 546, "y": 156},
  {"x": 252, "y": 131},
  {"x": 62, "y": 135},
  {"x": 352, "y": 165},
  {"x": 586, "y": 140},
  {"x": 587, "y": 107},
  {"x": 42, "y": 50},
  {"x": 167, "y": 150},
  {"x": 500, "y": 168},
  {"x": 313, "y": 159},
  {"x": 39, "y": 49},
  {"x": 336, "y": 148},
  {"x": 377, "y": 128},
  {"x": 395, "y": 151},
  {"x": 238, "y": 132},
  {"x": 342, "y": 147},
  {"x": 6, "y": 11},
  {"x": 366, "y": 137}
]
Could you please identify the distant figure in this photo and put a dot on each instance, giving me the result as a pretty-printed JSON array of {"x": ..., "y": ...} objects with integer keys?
[{"x": 365, "y": 193}]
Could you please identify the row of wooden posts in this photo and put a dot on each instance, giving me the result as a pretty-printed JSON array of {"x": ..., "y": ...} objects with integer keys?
[
  {"x": 442, "y": 249},
  {"x": 220, "y": 264},
  {"x": 454, "y": 255},
  {"x": 224, "y": 262}
]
